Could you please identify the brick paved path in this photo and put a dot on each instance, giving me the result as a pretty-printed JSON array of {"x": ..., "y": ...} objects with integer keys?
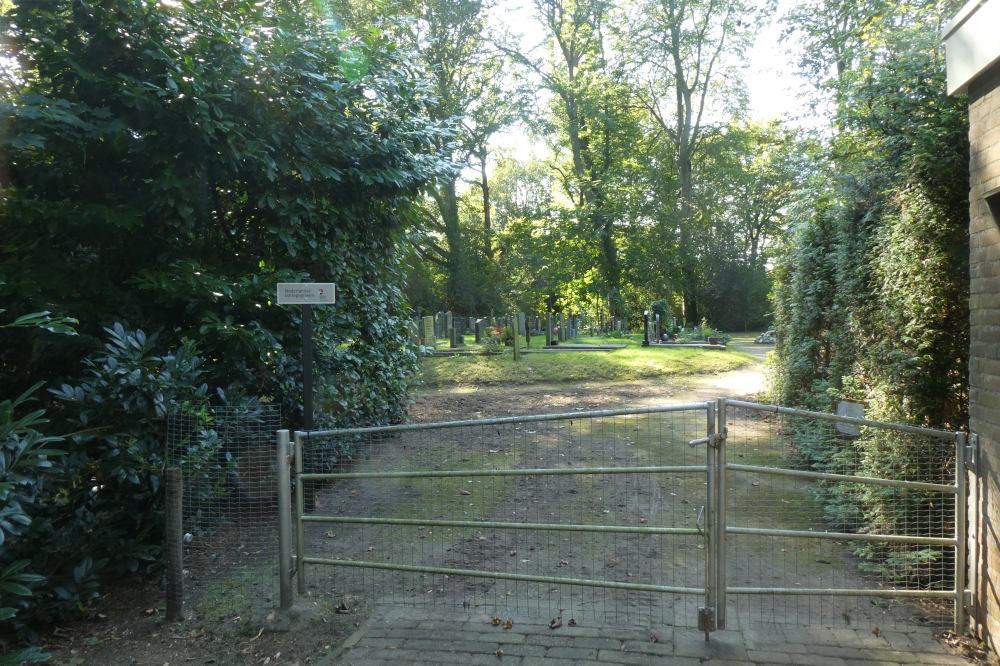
[{"x": 414, "y": 636}]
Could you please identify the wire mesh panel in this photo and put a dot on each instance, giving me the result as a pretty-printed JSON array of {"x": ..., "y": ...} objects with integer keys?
[
  {"x": 864, "y": 530},
  {"x": 552, "y": 498},
  {"x": 227, "y": 455}
]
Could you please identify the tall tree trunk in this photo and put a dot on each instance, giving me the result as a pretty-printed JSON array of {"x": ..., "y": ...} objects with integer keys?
[
  {"x": 487, "y": 223},
  {"x": 458, "y": 293},
  {"x": 688, "y": 268}
]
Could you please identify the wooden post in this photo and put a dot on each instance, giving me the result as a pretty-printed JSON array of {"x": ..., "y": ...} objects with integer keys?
[{"x": 174, "y": 542}]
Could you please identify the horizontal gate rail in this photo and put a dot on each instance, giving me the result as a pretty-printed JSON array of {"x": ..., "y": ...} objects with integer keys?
[
  {"x": 554, "y": 471},
  {"x": 501, "y": 575},
  {"x": 844, "y": 536},
  {"x": 554, "y": 527},
  {"x": 957, "y": 489},
  {"x": 916, "y": 430},
  {"x": 835, "y": 592},
  {"x": 849, "y": 478},
  {"x": 563, "y": 416}
]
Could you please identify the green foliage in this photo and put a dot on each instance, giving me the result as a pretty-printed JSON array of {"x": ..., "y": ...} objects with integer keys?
[
  {"x": 871, "y": 294},
  {"x": 165, "y": 165}
]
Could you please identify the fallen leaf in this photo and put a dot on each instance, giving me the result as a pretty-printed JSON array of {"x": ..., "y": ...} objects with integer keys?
[
  {"x": 195, "y": 633},
  {"x": 343, "y": 608},
  {"x": 329, "y": 535},
  {"x": 572, "y": 622},
  {"x": 496, "y": 621},
  {"x": 877, "y": 632},
  {"x": 555, "y": 624},
  {"x": 755, "y": 483},
  {"x": 561, "y": 562},
  {"x": 513, "y": 553},
  {"x": 684, "y": 502},
  {"x": 654, "y": 639},
  {"x": 464, "y": 492},
  {"x": 258, "y": 635},
  {"x": 499, "y": 653},
  {"x": 508, "y": 624}
]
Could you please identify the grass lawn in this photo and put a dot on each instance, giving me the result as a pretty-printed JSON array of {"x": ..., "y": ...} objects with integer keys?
[{"x": 633, "y": 362}]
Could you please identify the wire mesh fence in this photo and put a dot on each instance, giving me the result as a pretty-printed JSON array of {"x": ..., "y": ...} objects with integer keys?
[
  {"x": 760, "y": 500},
  {"x": 227, "y": 456},
  {"x": 553, "y": 497}
]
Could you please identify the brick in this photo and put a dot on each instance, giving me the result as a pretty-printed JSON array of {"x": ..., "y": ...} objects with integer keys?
[
  {"x": 758, "y": 656},
  {"x": 817, "y": 660}
]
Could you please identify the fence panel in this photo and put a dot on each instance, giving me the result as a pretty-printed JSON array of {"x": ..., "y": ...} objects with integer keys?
[
  {"x": 590, "y": 515},
  {"x": 227, "y": 457},
  {"x": 881, "y": 501}
]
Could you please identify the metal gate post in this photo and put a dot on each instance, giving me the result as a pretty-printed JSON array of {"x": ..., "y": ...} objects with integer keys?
[
  {"x": 720, "y": 512},
  {"x": 300, "y": 532},
  {"x": 706, "y": 615},
  {"x": 961, "y": 531},
  {"x": 284, "y": 522}
]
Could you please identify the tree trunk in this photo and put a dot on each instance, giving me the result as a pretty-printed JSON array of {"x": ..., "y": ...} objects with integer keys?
[
  {"x": 688, "y": 271},
  {"x": 487, "y": 223},
  {"x": 458, "y": 293}
]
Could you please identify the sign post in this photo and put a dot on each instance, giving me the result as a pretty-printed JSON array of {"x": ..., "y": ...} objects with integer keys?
[{"x": 307, "y": 294}]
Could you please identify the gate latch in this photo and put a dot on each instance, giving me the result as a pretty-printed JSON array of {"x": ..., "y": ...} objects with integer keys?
[
  {"x": 711, "y": 440},
  {"x": 706, "y": 619}
]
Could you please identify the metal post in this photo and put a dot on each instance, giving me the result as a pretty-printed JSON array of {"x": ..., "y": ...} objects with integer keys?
[
  {"x": 174, "y": 539},
  {"x": 300, "y": 533},
  {"x": 284, "y": 522},
  {"x": 720, "y": 513},
  {"x": 711, "y": 531},
  {"x": 307, "y": 368},
  {"x": 961, "y": 531},
  {"x": 645, "y": 321},
  {"x": 548, "y": 329}
]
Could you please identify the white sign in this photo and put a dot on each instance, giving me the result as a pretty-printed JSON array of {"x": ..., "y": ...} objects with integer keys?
[
  {"x": 306, "y": 293},
  {"x": 852, "y": 410}
]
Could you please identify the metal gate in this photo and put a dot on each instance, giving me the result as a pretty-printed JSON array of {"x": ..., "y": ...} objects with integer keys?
[{"x": 707, "y": 514}]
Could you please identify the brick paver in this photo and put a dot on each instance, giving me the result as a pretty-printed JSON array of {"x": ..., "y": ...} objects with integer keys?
[{"x": 403, "y": 637}]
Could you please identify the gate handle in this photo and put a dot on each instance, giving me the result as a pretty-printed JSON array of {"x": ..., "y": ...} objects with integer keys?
[{"x": 697, "y": 521}]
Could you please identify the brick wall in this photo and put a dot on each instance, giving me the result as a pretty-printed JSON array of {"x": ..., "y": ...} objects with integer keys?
[{"x": 984, "y": 375}]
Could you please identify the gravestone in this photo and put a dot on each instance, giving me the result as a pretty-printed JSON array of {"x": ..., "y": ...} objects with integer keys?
[
  {"x": 548, "y": 330},
  {"x": 414, "y": 332},
  {"x": 520, "y": 323},
  {"x": 439, "y": 325},
  {"x": 480, "y": 330},
  {"x": 449, "y": 322},
  {"x": 470, "y": 325},
  {"x": 428, "y": 332},
  {"x": 562, "y": 327}
]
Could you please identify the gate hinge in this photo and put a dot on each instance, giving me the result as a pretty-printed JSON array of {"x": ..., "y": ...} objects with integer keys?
[
  {"x": 706, "y": 618},
  {"x": 967, "y": 599},
  {"x": 711, "y": 440},
  {"x": 972, "y": 454}
]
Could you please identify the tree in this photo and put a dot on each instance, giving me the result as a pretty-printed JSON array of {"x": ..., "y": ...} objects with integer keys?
[
  {"x": 472, "y": 93},
  {"x": 592, "y": 122},
  {"x": 749, "y": 174},
  {"x": 686, "y": 53},
  {"x": 164, "y": 165}
]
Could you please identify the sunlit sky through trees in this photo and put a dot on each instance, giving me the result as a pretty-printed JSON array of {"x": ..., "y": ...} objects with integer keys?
[{"x": 776, "y": 90}]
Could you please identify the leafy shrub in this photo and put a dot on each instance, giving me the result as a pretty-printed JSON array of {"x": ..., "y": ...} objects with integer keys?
[{"x": 229, "y": 193}]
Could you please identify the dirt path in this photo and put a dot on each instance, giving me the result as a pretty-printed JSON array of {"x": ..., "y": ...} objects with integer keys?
[{"x": 467, "y": 402}]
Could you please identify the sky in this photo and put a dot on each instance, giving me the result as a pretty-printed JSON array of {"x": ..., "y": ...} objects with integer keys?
[{"x": 773, "y": 86}]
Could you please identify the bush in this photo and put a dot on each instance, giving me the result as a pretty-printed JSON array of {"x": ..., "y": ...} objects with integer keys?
[{"x": 152, "y": 122}]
